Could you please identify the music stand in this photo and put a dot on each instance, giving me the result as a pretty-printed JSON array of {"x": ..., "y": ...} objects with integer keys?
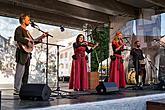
[{"x": 58, "y": 90}]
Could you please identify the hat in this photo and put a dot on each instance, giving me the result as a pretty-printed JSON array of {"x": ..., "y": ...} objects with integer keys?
[{"x": 118, "y": 33}]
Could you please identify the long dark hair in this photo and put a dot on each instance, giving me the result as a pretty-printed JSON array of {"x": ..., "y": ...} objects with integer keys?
[
  {"x": 77, "y": 39},
  {"x": 135, "y": 43}
]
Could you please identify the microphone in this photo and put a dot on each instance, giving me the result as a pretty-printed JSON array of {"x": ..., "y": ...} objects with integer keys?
[
  {"x": 125, "y": 37},
  {"x": 33, "y": 24},
  {"x": 162, "y": 36}
]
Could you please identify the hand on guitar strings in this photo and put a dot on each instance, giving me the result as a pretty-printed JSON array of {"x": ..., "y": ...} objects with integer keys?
[
  {"x": 45, "y": 34},
  {"x": 30, "y": 43}
]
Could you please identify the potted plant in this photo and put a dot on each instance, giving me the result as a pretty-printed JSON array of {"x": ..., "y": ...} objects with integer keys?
[{"x": 100, "y": 54}]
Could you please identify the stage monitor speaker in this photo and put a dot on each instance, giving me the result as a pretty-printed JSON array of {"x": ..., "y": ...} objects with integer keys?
[
  {"x": 106, "y": 87},
  {"x": 35, "y": 92}
]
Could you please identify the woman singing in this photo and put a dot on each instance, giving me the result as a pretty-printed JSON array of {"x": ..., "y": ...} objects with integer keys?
[
  {"x": 116, "y": 66},
  {"x": 79, "y": 77}
]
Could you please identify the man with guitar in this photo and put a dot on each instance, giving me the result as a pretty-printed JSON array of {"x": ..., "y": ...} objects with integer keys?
[{"x": 25, "y": 44}]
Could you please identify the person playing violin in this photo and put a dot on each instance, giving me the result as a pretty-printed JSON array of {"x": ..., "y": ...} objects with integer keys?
[
  {"x": 78, "y": 76},
  {"x": 116, "y": 73}
]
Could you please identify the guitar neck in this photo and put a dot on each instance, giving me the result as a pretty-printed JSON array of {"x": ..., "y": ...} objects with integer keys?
[{"x": 39, "y": 39}]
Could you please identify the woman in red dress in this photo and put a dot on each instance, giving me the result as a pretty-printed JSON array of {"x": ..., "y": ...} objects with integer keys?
[
  {"x": 79, "y": 77},
  {"x": 116, "y": 66}
]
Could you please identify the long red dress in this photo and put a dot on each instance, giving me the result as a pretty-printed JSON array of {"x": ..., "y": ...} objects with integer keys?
[
  {"x": 78, "y": 76},
  {"x": 116, "y": 66}
]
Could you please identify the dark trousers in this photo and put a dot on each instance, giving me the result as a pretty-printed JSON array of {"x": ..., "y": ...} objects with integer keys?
[
  {"x": 143, "y": 74},
  {"x": 26, "y": 73},
  {"x": 140, "y": 70}
]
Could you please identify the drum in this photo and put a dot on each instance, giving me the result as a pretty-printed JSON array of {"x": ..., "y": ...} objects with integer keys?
[{"x": 131, "y": 77}]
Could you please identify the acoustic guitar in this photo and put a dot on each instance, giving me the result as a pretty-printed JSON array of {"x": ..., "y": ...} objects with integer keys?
[{"x": 29, "y": 48}]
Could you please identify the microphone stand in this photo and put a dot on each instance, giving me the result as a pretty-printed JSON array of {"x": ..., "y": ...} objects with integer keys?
[
  {"x": 127, "y": 40},
  {"x": 162, "y": 44},
  {"x": 153, "y": 68},
  {"x": 37, "y": 27},
  {"x": 58, "y": 87}
]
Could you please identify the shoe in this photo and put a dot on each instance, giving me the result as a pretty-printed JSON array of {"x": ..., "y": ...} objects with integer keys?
[
  {"x": 83, "y": 90},
  {"x": 75, "y": 89},
  {"x": 141, "y": 84},
  {"x": 16, "y": 92}
]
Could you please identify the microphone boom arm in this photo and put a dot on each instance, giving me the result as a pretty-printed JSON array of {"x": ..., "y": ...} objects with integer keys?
[
  {"x": 127, "y": 40},
  {"x": 34, "y": 26}
]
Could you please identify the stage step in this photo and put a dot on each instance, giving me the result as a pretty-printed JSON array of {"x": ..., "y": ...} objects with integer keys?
[
  {"x": 156, "y": 104},
  {"x": 128, "y": 103}
]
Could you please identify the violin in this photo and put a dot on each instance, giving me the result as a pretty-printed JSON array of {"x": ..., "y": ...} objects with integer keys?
[{"x": 90, "y": 44}]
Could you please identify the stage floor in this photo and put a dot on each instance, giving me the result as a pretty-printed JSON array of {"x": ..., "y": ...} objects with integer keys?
[{"x": 12, "y": 102}]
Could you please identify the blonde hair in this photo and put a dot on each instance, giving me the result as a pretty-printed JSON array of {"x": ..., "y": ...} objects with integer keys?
[
  {"x": 116, "y": 35},
  {"x": 115, "y": 38}
]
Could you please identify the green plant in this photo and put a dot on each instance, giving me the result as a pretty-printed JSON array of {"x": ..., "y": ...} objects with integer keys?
[{"x": 102, "y": 51}]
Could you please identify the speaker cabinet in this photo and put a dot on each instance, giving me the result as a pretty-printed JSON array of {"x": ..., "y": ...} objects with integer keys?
[
  {"x": 35, "y": 92},
  {"x": 106, "y": 87}
]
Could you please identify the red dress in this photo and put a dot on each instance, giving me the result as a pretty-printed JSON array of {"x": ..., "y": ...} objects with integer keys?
[
  {"x": 78, "y": 76},
  {"x": 116, "y": 66}
]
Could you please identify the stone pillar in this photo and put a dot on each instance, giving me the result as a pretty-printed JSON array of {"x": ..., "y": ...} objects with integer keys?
[{"x": 116, "y": 23}]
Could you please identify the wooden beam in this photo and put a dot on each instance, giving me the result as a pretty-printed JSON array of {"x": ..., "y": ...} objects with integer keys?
[
  {"x": 160, "y": 3},
  {"x": 110, "y": 7},
  {"x": 55, "y": 7},
  {"x": 43, "y": 17}
]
